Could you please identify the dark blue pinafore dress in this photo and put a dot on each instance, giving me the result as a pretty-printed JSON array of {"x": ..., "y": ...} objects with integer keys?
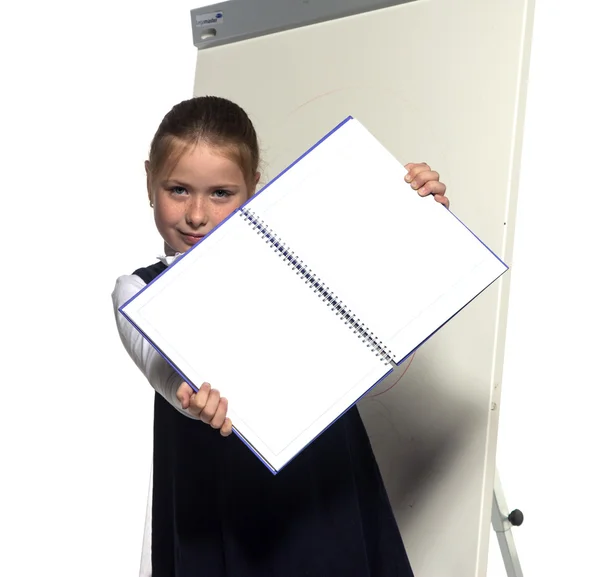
[{"x": 217, "y": 511}]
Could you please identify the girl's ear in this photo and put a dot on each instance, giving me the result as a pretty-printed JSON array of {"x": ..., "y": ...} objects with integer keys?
[
  {"x": 252, "y": 191},
  {"x": 148, "y": 181}
]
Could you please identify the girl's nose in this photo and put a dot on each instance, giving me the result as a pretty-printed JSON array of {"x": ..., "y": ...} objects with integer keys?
[{"x": 196, "y": 213}]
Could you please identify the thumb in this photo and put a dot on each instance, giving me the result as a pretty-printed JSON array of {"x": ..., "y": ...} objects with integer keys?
[{"x": 184, "y": 394}]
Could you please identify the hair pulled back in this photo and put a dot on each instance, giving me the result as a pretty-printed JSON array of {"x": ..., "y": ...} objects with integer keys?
[{"x": 211, "y": 120}]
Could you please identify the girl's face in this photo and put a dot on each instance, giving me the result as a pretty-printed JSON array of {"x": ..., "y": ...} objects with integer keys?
[{"x": 203, "y": 189}]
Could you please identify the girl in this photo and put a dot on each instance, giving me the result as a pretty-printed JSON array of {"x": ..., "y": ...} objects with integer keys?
[{"x": 216, "y": 510}]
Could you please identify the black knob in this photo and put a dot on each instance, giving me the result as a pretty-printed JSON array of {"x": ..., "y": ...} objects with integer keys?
[{"x": 516, "y": 518}]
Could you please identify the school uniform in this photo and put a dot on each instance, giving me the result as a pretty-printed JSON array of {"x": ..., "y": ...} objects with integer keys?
[{"x": 217, "y": 511}]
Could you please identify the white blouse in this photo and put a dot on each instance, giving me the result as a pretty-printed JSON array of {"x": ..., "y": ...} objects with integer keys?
[
  {"x": 161, "y": 376},
  {"x": 159, "y": 373}
]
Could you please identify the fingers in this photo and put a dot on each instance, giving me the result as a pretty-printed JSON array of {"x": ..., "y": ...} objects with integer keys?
[
  {"x": 227, "y": 427},
  {"x": 442, "y": 200},
  {"x": 220, "y": 415},
  {"x": 208, "y": 405},
  {"x": 426, "y": 181},
  {"x": 199, "y": 399},
  {"x": 208, "y": 412},
  {"x": 184, "y": 394},
  {"x": 419, "y": 173}
]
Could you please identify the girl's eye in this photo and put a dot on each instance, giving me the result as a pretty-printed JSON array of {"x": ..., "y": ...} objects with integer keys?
[
  {"x": 178, "y": 190},
  {"x": 222, "y": 193}
]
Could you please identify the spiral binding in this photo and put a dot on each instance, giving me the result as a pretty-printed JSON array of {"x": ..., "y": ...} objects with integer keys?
[{"x": 319, "y": 287}]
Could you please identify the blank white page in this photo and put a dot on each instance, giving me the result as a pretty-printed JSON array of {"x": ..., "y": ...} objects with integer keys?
[
  {"x": 402, "y": 263},
  {"x": 231, "y": 312}
]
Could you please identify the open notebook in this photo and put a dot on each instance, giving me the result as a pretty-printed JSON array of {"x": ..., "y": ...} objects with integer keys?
[{"x": 309, "y": 294}]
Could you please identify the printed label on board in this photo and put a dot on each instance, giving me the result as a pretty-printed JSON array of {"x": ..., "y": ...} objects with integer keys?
[{"x": 211, "y": 19}]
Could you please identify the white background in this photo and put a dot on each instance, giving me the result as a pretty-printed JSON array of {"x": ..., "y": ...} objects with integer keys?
[{"x": 83, "y": 90}]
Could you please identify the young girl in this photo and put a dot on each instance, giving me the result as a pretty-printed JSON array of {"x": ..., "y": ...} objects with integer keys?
[{"x": 216, "y": 509}]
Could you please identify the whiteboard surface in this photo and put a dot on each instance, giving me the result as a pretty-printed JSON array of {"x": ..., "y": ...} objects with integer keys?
[{"x": 434, "y": 81}]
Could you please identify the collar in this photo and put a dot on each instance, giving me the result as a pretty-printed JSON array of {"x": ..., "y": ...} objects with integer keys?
[{"x": 169, "y": 260}]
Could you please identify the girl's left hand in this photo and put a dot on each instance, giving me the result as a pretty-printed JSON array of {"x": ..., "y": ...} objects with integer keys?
[
  {"x": 207, "y": 405},
  {"x": 426, "y": 181}
]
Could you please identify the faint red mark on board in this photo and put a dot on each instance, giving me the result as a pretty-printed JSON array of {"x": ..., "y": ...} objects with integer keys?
[
  {"x": 319, "y": 96},
  {"x": 396, "y": 381}
]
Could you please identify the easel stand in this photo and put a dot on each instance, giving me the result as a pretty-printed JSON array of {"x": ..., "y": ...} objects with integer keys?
[{"x": 502, "y": 522}]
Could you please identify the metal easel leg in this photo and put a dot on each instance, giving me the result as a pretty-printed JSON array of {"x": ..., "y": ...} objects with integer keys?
[{"x": 502, "y": 522}]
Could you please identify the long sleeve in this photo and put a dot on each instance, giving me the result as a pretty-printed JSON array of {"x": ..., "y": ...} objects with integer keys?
[{"x": 163, "y": 378}]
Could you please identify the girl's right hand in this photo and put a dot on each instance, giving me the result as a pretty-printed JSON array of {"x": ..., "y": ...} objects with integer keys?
[{"x": 207, "y": 405}]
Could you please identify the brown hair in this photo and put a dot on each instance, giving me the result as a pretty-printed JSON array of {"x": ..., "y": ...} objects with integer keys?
[{"x": 209, "y": 119}]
